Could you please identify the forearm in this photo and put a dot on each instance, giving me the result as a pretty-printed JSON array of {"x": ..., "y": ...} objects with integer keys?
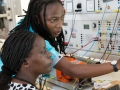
[
  {"x": 92, "y": 70},
  {"x": 83, "y": 71}
]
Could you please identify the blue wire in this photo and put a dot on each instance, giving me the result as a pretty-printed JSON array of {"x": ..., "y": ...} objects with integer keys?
[{"x": 98, "y": 31}]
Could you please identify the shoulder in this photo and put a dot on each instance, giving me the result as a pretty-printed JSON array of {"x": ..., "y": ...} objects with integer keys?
[
  {"x": 18, "y": 86},
  {"x": 56, "y": 56},
  {"x": 19, "y": 22},
  {"x": 51, "y": 49}
]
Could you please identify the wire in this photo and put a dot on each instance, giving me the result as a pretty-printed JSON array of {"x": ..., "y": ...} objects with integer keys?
[
  {"x": 81, "y": 47},
  {"x": 111, "y": 35},
  {"x": 73, "y": 84},
  {"x": 115, "y": 37},
  {"x": 23, "y": 15},
  {"x": 43, "y": 85},
  {"x": 97, "y": 33},
  {"x": 102, "y": 39},
  {"x": 98, "y": 43},
  {"x": 73, "y": 23},
  {"x": 98, "y": 30},
  {"x": 107, "y": 27},
  {"x": 80, "y": 83},
  {"x": 52, "y": 77},
  {"x": 112, "y": 45},
  {"x": 40, "y": 83}
]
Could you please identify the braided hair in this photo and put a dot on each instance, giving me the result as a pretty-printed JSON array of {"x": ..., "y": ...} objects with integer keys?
[
  {"x": 34, "y": 9},
  {"x": 14, "y": 51}
]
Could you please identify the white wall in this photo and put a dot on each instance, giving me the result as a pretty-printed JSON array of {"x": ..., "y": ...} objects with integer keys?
[{"x": 20, "y": 5}]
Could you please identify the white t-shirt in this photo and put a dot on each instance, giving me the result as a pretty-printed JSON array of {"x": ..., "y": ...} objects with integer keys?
[{"x": 19, "y": 86}]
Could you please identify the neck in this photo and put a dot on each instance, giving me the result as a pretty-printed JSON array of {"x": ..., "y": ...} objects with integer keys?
[{"x": 25, "y": 78}]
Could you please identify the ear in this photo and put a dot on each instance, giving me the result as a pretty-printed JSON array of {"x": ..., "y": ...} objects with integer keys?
[
  {"x": 37, "y": 19},
  {"x": 25, "y": 63},
  {"x": 64, "y": 10}
]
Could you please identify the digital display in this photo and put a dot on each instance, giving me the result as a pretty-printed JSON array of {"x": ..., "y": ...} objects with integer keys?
[
  {"x": 107, "y": 0},
  {"x": 65, "y": 24},
  {"x": 86, "y": 26}
]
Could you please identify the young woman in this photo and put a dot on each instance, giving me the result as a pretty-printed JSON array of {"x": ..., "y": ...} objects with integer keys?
[
  {"x": 45, "y": 17},
  {"x": 25, "y": 56}
]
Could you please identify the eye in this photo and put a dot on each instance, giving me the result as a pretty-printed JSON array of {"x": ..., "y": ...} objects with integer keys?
[
  {"x": 43, "y": 52},
  {"x": 53, "y": 20},
  {"x": 62, "y": 18}
]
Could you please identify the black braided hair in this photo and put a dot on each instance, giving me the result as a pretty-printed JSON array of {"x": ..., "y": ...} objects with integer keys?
[
  {"x": 13, "y": 53},
  {"x": 34, "y": 9}
]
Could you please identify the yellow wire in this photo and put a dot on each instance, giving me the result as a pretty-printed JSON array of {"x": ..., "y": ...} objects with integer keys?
[
  {"x": 46, "y": 84},
  {"x": 71, "y": 88},
  {"x": 49, "y": 79},
  {"x": 111, "y": 51},
  {"x": 55, "y": 77},
  {"x": 103, "y": 36},
  {"x": 108, "y": 26},
  {"x": 96, "y": 49}
]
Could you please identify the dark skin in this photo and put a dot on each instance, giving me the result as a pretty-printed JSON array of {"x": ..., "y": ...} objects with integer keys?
[
  {"x": 38, "y": 62},
  {"x": 54, "y": 20}
]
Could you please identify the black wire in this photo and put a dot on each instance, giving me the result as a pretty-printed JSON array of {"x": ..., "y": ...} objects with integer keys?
[
  {"x": 73, "y": 23},
  {"x": 23, "y": 15},
  {"x": 111, "y": 35},
  {"x": 43, "y": 85},
  {"x": 115, "y": 33},
  {"x": 40, "y": 82}
]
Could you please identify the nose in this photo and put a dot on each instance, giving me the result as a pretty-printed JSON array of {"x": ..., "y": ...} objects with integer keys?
[
  {"x": 59, "y": 23},
  {"x": 49, "y": 54}
]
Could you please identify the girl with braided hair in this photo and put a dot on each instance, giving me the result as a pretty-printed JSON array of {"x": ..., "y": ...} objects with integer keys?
[
  {"x": 46, "y": 17},
  {"x": 25, "y": 56}
]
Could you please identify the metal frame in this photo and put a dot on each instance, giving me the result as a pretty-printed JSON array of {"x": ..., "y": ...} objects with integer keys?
[{"x": 10, "y": 14}]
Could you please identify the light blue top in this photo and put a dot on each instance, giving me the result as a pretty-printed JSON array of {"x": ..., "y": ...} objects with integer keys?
[{"x": 56, "y": 56}]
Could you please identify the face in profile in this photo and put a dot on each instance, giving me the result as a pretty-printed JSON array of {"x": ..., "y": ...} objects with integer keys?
[
  {"x": 54, "y": 18},
  {"x": 39, "y": 58}
]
